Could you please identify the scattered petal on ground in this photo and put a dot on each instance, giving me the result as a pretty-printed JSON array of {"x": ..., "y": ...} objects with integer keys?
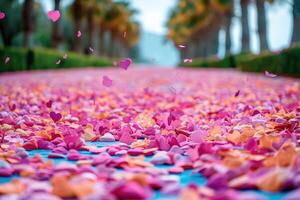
[{"x": 64, "y": 136}]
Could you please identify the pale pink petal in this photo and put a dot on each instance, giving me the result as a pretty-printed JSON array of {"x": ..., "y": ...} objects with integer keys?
[
  {"x": 188, "y": 60},
  {"x": 58, "y": 61},
  {"x": 91, "y": 49},
  {"x": 65, "y": 56},
  {"x": 78, "y": 34},
  {"x": 6, "y": 60},
  {"x": 181, "y": 46},
  {"x": 270, "y": 75}
]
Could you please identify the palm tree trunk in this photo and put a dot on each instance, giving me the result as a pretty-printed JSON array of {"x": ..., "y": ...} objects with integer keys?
[
  {"x": 262, "y": 25},
  {"x": 78, "y": 40},
  {"x": 296, "y": 22},
  {"x": 28, "y": 23},
  {"x": 56, "y": 35},
  {"x": 102, "y": 50},
  {"x": 245, "y": 27},
  {"x": 228, "y": 36},
  {"x": 90, "y": 29}
]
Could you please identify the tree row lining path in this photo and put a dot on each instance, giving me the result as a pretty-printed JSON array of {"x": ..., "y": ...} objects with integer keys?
[{"x": 149, "y": 134}]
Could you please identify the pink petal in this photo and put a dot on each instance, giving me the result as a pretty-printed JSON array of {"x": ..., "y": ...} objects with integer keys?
[
  {"x": 58, "y": 61},
  {"x": 2, "y": 15},
  {"x": 6, "y": 60},
  {"x": 54, "y": 15},
  {"x": 126, "y": 138},
  {"x": 125, "y": 63},
  {"x": 270, "y": 75},
  {"x": 181, "y": 46},
  {"x": 107, "y": 81},
  {"x": 65, "y": 56},
  {"x": 91, "y": 49},
  {"x": 188, "y": 60},
  {"x": 78, "y": 34},
  {"x": 237, "y": 93}
]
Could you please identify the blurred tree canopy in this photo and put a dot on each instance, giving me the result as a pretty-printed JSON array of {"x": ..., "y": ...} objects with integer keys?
[
  {"x": 197, "y": 24},
  {"x": 108, "y": 27}
]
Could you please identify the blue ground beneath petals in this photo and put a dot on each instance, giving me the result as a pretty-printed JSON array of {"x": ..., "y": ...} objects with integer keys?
[{"x": 187, "y": 177}]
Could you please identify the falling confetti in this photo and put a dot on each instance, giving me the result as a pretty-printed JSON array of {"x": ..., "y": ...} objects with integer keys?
[
  {"x": 2, "y": 15},
  {"x": 181, "y": 46},
  {"x": 58, "y": 61},
  {"x": 270, "y": 75},
  {"x": 78, "y": 34},
  {"x": 6, "y": 60},
  {"x": 91, "y": 49},
  {"x": 124, "y": 64},
  {"x": 54, "y": 15},
  {"x": 188, "y": 60},
  {"x": 65, "y": 56}
]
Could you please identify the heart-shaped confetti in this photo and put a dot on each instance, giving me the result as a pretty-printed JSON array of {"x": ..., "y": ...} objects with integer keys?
[
  {"x": 124, "y": 64},
  {"x": 2, "y": 15},
  {"x": 78, "y": 34},
  {"x": 55, "y": 116},
  {"x": 49, "y": 104},
  {"x": 106, "y": 81},
  {"x": 54, "y": 15}
]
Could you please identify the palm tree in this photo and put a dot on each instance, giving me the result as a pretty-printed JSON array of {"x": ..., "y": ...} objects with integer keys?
[
  {"x": 197, "y": 24},
  {"x": 56, "y": 34},
  {"x": 78, "y": 12},
  {"x": 296, "y": 22},
  {"x": 28, "y": 22},
  {"x": 245, "y": 26},
  {"x": 8, "y": 28},
  {"x": 92, "y": 12},
  {"x": 262, "y": 25}
]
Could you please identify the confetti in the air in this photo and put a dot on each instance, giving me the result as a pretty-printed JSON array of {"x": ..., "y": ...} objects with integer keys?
[
  {"x": 188, "y": 60},
  {"x": 54, "y": 15},
  {"x": 65, "y": 56},
  {"x": 2, "y": 15},
  {"x": 6, "y": 60},
  {"x": 78, "y": 34},
  {"x": 270, "y": 75},
  {"x": 124, "y": 64}
]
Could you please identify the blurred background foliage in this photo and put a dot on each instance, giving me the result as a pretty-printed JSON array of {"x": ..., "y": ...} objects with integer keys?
[
  {"x": 197, "y": 24},
  {"x": 108, "y": 28}
]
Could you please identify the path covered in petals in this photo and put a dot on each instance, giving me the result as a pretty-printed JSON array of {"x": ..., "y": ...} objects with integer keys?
[{"x": 149, "y": 134}]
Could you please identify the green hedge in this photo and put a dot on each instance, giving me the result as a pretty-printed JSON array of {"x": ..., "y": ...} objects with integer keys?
[
  {"x": 24, "y": 59},
  {"x": 227, "y": 62},
  {"x": 285, "y": 62},
  {"x": 18, "y": 59}
]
